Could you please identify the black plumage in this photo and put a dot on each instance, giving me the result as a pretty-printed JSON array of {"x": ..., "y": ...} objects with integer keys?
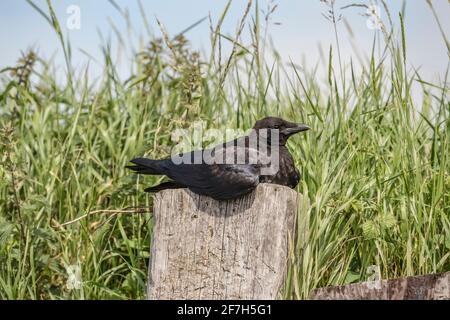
[{"x": 231, "y": 178}]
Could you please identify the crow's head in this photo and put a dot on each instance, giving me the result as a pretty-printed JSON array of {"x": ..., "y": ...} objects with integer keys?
[{"x": 285, "y": 128}]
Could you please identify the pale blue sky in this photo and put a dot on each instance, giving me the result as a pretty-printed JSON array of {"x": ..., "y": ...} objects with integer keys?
[{"x": 302, "y": 27}]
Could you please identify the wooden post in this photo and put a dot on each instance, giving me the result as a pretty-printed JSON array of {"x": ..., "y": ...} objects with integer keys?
[
  {"x": 427, "y": 287},
  {"x": 208, "y": 249}
]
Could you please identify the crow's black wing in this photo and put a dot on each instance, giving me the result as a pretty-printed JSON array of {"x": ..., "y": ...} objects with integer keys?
[
  {"x": 220, "y": 177},
  {"x": 165, "y": 186}
]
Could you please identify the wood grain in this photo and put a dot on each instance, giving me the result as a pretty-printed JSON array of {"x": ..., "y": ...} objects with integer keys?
[
  {"x": 208, "y": 249},
  {"x": 427, "y": 287}
]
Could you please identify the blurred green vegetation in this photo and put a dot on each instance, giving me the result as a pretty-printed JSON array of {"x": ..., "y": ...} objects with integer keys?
[{"x": 375, "y": 166}]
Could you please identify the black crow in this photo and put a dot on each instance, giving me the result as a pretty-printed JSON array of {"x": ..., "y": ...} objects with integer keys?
[{"x": 232, "y": 169}]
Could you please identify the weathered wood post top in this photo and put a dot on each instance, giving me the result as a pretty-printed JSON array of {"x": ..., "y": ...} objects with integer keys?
[{"x": 208, "y": 249}]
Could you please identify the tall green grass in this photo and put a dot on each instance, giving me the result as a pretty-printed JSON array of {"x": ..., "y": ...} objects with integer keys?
[{"x": 376, "y": 183}]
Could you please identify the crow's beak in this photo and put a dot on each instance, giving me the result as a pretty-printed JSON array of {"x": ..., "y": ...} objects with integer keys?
[{"x": 295, "y": 129}]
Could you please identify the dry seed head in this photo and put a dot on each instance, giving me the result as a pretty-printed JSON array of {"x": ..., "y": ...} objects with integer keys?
[{"x": 24, "y": 68}]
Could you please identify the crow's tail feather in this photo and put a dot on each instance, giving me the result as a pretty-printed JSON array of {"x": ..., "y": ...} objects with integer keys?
[
  {"x": 164, "y": 186},
  {"x": 146, "y": 166}
]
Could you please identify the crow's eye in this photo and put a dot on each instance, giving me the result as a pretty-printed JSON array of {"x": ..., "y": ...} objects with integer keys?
[{"x": 277, "y": 126}]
